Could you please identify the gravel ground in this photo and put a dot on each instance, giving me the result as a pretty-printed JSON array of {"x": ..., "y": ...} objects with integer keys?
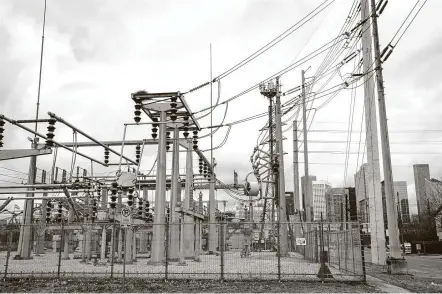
[
  {"x": 262, "y": 265},
  {"x": 188, "y": 286},
  {"x": 412, "y": 282}
]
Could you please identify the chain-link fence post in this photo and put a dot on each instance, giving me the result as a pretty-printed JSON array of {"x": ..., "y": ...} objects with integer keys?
[
  {"x": 125, "y": 254},
  {"x": 112, "y": 253},
  {"x": 279, "y": 253},
  {"x": 222, "y": 249},
  {"x": 60, "y": 249},
  {"x": 364, "y": 276},
  {"x": 8, "y": 254},
  {"x": 167, "y": 249},
  {"x": 328, "y": 244},
  {"x": 338, "y": 245}
]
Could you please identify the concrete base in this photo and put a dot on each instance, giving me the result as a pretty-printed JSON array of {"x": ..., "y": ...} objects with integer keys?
[
  {"x": 397, "y": 266},
  {"x": 65, "y": 258},
  {"x": 197, "y": 259},
  {"x": 210, "y": 253},
  {"x": 283, "y": 255},
  {"x": 173, "y": 259},
  {"x": 189, "y": 258},
  {"x": 156, "y": 263},
  {"x": 18, "y": 257},
  {"x": 182, "y": 263}
]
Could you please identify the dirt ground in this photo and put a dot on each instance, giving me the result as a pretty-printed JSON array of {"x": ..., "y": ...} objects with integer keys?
[
  {"x": 183, "y": 286},
  {"x": 413, "y": 282}
]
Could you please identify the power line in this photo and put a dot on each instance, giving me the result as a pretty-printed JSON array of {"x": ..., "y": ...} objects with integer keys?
[{"x": 270, "y": 44}]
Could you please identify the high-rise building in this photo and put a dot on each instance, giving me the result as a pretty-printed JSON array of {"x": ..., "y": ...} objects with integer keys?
[
  {"x": 400, "y": 199},
  {"x": 362, "y": 194},
  {"x": 335, "y": 199},
  {"x": 319, "y": 190},
  {"x": 421, "y": 172},
  {"x": 341, "y": 204}
]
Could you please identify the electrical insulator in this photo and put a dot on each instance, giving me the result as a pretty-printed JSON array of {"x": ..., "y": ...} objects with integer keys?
[
  {"x": 60, "y": 211},
  {"x": 48, "y": 211},
  {"x": 140, "y": 207},
  {"x": 195, "y": 140},
  {"x": 167, "y": 141},
  {"x": 149, "y": 218},
  {"x": 173, "y": 109},
  {"x": 130, "y": 197},
  {"x": 205, "y": 169},
  {"x": 167, "y": 214},
  {"x": 200, "y": 165},
  {"x": 146, "y": 208},
  {"x": 94, "y": 209},
  {"x": 186, "y": 127},
  {"x": 50, "y": 135},
  {"x": 106, "y": 156},
  {"x": 138, "y": 153},
  {"x": 137, "y": 111},
  {"x": 2, "y": 124},
  {"x": 114, "y": 189},
  {"x": 154, "y": 128},
  {"x": 276, "y": 167}
]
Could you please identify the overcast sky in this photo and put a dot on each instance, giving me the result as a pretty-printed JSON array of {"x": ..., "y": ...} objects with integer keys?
[{"x": 97, "y": 53}]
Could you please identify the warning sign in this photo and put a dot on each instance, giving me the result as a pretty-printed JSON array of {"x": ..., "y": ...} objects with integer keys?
[
  {"x": 300, "y": 241},
  {"x": 126, "y": 217}
]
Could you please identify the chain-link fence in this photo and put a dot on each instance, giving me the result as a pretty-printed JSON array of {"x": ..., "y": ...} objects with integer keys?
[{"x": 189, "y": 249}]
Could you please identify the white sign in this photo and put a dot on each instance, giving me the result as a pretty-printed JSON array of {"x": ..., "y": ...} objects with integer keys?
[
  {"x": 126, "y": 218},
  {"x": 300, "y": 241}
]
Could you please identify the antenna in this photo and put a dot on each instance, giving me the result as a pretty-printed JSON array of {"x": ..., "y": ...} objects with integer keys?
[{"x": 41, "y": 67}]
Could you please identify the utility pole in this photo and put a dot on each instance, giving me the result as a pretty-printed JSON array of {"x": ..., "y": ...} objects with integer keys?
[
  {"x": 306, "y": 190},
  {"x": 385, "y": 143},
  {"x": 372, "y": 172},
  {"x": 282, "y": 213},
  {"x": 296, "y": 200}
]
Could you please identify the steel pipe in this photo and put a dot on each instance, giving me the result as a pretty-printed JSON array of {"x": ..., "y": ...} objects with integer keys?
[
  {"x": 53, "y": 115},
  {"x": 38, "y": 197},
  {"x": 37, "y": 186},
  {"x": 43, "y": 191},
  {"x": 14, "y": 122}
]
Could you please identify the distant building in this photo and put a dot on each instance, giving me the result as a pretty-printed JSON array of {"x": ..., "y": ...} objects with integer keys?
[
  {"x": 362, "y": 194},
  {"x": 289, "y": 201},
  {"x": 400, "y": 200},
  {"x": 421, "y": 172},
  {"x": 335, "y": 204},
  {"x": 341, "y": 204},
  {"x": 401, "y": 194},
  {"x": 319, "y": 190}
]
